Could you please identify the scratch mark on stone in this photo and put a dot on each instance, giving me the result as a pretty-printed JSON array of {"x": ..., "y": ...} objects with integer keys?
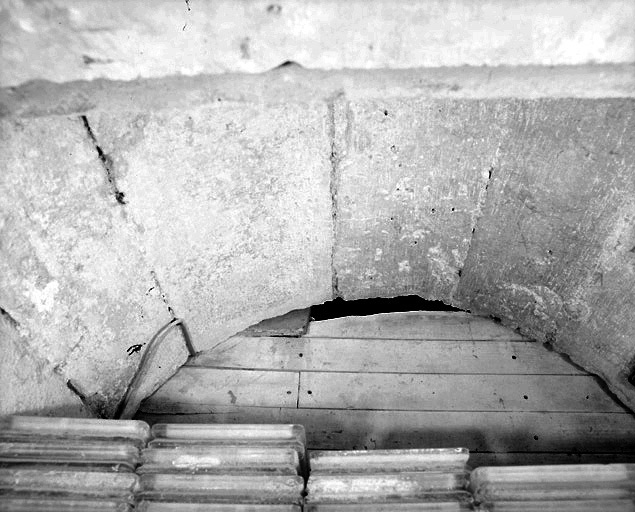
[
  {"x": 162, "y": 294},
  {"x": 187, "y": 3},
  {"x": 106, "y": 162}
]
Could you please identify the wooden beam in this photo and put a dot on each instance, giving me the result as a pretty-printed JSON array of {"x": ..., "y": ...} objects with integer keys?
[
  {"x": 201, "y": 389},
  {"x": 409, "y": 392},
  {"x": 496, "y": 432},
  {"x": 386, "y": 355}
]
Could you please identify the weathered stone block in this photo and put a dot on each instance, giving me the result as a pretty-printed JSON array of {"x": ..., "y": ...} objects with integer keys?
[
  {"x": 29, "y": 385},
  {"x": 233, "y": 202},
  {"x": 74, "y": 276},
  {"x": 202, "y": 206},
  {"x": 552, "y": 250},
  {"x": 410, "y": 177}
]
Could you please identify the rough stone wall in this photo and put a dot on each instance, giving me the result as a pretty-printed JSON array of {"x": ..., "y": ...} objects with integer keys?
[
  {"x": 226, "y": 200},
  {"x": 64, "y": 40}
]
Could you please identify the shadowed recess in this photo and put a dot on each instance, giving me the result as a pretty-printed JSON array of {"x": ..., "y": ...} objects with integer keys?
[{"x": 339, "y": 307}]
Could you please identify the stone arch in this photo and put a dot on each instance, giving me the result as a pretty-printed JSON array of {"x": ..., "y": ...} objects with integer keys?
[{"x": 244, "y": 201}]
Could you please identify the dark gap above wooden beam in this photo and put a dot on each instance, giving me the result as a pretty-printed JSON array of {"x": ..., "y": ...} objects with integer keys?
[{"x": 339, "y": 307}]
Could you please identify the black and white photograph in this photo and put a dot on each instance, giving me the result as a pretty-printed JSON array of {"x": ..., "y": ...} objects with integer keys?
[{"x": 317, "y": 255}]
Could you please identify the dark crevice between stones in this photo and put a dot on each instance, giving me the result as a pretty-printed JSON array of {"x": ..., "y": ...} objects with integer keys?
[
  {"x": 289, "y": 64},
  {"x": 9, "y": 319},
  {"x": 334, "y": 158},
  {"x": 106, "y": 162},
  {"x": 339, "y": 307}
]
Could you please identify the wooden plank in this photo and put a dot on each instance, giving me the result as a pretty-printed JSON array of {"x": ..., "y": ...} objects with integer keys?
[
  {"x": 202, "y": 388},
  {"x": 417, "y": 325},
  {"x": 294, "y": 323},
  {"x": 414, "y": 325},
  {"x": 409, "y": 392},
  {"x": 386, "y": 355},
  {"x": 496, "y": 432}
]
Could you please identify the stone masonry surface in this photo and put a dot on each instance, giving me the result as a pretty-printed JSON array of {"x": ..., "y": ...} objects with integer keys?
[{"x": 226, "y": 200}]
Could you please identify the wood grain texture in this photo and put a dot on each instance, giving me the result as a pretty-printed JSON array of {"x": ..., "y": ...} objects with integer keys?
[
  {"x": 496, "y": 432},
  {"x": 201, "y": 389},
  {"x": 386, "y": 355},
  {"x": 404, "y": 392},
  {"x": 414, "y": 325},
  {"x": 462, "y": 381}
]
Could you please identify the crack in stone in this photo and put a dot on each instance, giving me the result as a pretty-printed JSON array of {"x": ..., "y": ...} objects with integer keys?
[
  {"x": 162, "y": 294},
  {"x": 482, "y": 200},
  {"x": 334, "y": 158},
  {"x": 106, "y": 162}
]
